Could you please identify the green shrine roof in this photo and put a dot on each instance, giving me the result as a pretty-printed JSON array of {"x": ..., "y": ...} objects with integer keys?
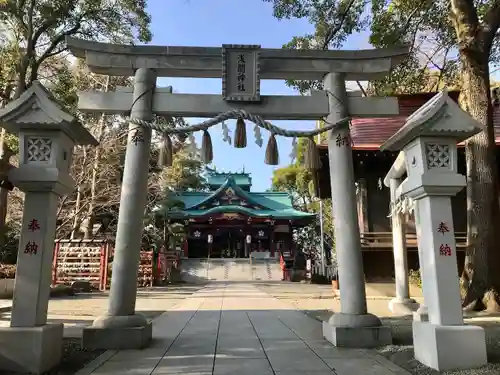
[
  {"x": 219, "y": 178},
  {"x": 231, "y": 198}
]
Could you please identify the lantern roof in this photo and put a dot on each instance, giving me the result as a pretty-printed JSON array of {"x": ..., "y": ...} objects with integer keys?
[
  {"x": 441, "y": 116},
  {"x": 36, "y": 109}
]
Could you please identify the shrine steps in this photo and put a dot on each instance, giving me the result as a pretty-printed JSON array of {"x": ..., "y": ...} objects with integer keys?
[{"x": 202, "y": 270}]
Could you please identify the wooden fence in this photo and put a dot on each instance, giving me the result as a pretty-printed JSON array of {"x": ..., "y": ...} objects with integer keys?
[{"x": 90, "y": 260}]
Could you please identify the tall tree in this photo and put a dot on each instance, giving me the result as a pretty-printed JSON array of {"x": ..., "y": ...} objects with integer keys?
[
  {"x": 471, "y": 29},
  {"x": 186, "y": 172},
  {"x": 444, "y": 35},
  {"x": 32, "y": 34},
  {"x": 38, "y": 29},
  {"x": 334, "y": 21},
  {"x": 296, "y": 180}
]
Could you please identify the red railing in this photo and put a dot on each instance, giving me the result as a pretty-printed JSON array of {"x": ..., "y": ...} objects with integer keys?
[{"x": 89, "y": 260}]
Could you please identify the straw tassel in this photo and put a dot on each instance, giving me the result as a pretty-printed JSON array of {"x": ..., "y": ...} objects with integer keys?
[
  {"x": 166, "y": 152},
  {"x": 240, "y": 135},
  {"x": 311, "y": 158},
  {"x": 272, "y": 156},
  {"x": 207, "y": 151}
]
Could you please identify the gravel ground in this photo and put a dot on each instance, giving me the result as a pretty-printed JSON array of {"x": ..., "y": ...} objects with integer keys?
[
  {"x": 73, "y": 358},
  {"x": 401, "y": 353}
]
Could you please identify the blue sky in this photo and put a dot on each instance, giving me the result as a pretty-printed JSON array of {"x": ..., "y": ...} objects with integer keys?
[{"x": 217, "y": 22}]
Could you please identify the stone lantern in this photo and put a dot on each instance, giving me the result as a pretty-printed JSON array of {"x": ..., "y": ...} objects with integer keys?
[
  {"x": 428, "y": 141},
  {"x": 47, "y": 136}
]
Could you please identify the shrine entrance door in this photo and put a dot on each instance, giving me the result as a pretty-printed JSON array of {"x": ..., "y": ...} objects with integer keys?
[{"x": 228, "y": 243}]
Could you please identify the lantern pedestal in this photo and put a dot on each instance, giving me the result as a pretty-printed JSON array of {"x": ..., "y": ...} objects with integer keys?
[
  {"x": 35, "y": 350},
  {"x": 34, "y": 260},
  {"x": 47, "y": 136},
  {"x": 429, "y": 147},
  {"x": 449, "y": 347}
]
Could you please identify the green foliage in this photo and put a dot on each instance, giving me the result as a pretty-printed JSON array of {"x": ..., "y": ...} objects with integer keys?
[
  {"x": 333, "y": 20},
  {"x": 293, "y": 179},
  {"x": 297, "y": 181},
  {"x": 41, "y": 20},
  {"x": 40, "y": 28},
  {"x": 9, "y": 244},
  {"x": 327, "y": 215},
  {"x": 426, "y": 27},
  {"x": 185, "y": 174},
  {"x": 415, "y": 278},
  {"x": 72, "y": 79},
  {"x": 7, "y": 271},
  {"x": 32, "y": 35},
  {"x": 9, "y": 55}
]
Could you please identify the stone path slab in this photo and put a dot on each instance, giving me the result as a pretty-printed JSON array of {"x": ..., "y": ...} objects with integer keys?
[
  {"x": 79, "y": 311},
  {"x": 239, "y": 329},
  {"x": 5, "y": 305}
]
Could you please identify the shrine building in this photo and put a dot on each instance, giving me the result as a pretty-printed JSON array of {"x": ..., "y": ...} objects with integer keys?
[
  {"x": 230, "y": 221},
  {"x": 373, "y": 198}
]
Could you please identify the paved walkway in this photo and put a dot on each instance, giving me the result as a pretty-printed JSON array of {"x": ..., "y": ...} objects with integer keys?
[
  {"x": 79, "y": 311},
  {"x": 239, "y": 329}
]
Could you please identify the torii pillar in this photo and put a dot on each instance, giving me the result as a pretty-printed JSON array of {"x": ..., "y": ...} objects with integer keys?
[
  {"x": 353, "y": 326},
  {"x": 121, "y": 327}
]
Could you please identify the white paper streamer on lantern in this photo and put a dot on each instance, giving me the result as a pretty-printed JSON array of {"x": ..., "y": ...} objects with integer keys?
[
  {"x": 225, "y": 133},
  {"x": 258, "y": 136},
  {"x": 403, "y": 205},
  {"x": 293, "y": 154}
]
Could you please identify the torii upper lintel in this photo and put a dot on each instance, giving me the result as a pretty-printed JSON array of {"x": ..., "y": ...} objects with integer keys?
[{"x": 207, "y": 62}]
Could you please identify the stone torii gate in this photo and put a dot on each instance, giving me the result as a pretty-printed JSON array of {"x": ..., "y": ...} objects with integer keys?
[{"x": 241, "y": 68}]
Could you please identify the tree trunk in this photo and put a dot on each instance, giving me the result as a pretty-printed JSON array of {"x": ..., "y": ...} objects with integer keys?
[
  {"x": 481, "y": 276},
  {"x": 76, "y": 219},
  {"x": 93, "y": 184}
]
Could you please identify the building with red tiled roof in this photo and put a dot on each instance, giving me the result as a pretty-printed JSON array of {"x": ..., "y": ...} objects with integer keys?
[{"x": 370, "y": 167}]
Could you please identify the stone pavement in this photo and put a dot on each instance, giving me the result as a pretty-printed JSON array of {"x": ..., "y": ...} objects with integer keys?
[
  {"x": 238, "y": 329},
  {"x": 79, "y": 311},
  {"x": 319, "y": 300}
]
